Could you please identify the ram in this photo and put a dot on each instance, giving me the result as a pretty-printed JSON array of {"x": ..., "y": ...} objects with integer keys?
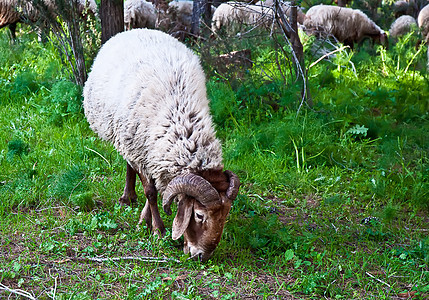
[{"x": 146, "y": 94}]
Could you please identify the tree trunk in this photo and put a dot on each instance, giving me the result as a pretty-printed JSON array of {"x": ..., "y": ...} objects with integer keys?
[
  {"x": 196, "y": 13},
  {"x": 112, "y": 18},
  {"x": 342, "y": 3},
  {"x": 201, "y": 12}
]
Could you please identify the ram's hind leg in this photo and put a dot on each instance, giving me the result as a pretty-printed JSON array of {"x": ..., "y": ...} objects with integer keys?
[
  {"x": 129, "y": 196},
  {"x": 150, "y": 212}
]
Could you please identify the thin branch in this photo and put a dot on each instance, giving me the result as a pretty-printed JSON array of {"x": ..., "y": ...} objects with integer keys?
[
  {"x": 104, "y": 259},
  {"x": 17, "y": 292},
  {"x": 381, "y": 281},
  {"x": 326, "y": 55}
]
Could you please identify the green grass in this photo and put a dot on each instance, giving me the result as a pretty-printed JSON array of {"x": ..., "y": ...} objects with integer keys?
[{"x": 333, "y": 203}]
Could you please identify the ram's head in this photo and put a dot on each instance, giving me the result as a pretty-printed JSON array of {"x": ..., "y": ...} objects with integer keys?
[{"x": 202, "y": 207}]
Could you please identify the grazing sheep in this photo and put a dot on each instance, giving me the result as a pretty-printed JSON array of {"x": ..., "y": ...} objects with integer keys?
[
  {"x": 14, "y": 11},
  {"x": 139, "y": 14},
  {"x": 401, "y": 8},
  {"x": 423, "y": 22},
  {"x": 230, "y": 13},
  {"x": 183, "y": 9},
  {"x": 408, "y": 7},
  {"x": 177, "y": 19},
  {"x": 285, "y": 7},
  {"x": 347, "y": 25},
  {"x": 146, "y": 94},
  {"x": 402, "y": 26}
]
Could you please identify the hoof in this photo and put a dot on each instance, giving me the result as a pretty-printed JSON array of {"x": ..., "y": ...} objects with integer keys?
[
  {"x": 160, "y": 233},
  {"x": 127, "y": 201}
]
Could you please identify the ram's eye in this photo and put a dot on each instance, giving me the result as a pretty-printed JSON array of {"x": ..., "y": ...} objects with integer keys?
[{"x": 199, "y": 216}]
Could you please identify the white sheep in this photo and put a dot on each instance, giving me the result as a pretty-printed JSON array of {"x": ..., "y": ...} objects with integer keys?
[
  {"x": 14, "y": 11},
  {"x": 402, "y": 26},
  {"x": 139, "y": 14},
  {"x": 423, "y": 22},
  {"x": 230, "y": 13},
  {"x": 146, "y": 94},
  {"x": 286, "y": 6},
  {"x": 408, "y": 7},
  {"x": 177, "y": 19},
  {"x": 347, "y": 25},
  {"x": 183, "y": 9}
]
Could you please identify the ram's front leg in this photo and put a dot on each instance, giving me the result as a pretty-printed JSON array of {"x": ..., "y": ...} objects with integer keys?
[
  {"x": 150, "y": 212},
  {"x": 129, "y": 196}
]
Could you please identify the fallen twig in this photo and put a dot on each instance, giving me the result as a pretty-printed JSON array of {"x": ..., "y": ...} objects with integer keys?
[
  {"x": 104, "y": 259},
  {"x": 381, "y": 281},
  {"x": 17, "y": 292}
]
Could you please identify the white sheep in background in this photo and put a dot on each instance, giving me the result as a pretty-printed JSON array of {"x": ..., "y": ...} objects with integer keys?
[
  {"x": 230, "y": 13},
  {"x": 183, "y": 9},
  {"x": 423, "y": 22},
  {"x": 146, "y": 94},
  {"x": 347, "y": 25},
  {"x": 14, "y": 11},
  {"x": 177, "y": 19},
  {"x": 402, "y": 26},
  {"x": 408, "y": 7},
  {"x": 401, "y": 8},
  {"x": 139, "y": 14},
  {"x": 286, "y": 9}
]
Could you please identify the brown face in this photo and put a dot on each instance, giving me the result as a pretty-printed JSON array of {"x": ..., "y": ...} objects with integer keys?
[
  {"x": 202, "y": 208},
  {"x": 205, "y": 229}
]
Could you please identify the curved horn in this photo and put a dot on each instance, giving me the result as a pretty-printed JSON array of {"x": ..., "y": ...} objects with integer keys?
[
  {"x": 234, "y": 185},
  {"x": 191, "y": 185}
]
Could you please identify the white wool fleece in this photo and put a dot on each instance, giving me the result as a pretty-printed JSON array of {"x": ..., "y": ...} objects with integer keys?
[
  {"x": 342, "y": 22},
  {"x": 146, "y": 94}
]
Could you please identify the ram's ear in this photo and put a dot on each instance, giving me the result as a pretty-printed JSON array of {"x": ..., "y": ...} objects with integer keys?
[{"x": 183, "y": 216}]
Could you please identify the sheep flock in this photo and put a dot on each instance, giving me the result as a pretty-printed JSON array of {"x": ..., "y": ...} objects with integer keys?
[
  {"x": 17, "y": 11},
  {"x": 345, "y": 25}
]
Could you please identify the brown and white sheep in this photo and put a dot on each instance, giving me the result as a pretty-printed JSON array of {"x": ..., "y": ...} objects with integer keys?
[
  {"x": 158, "y": 117},
  {"x": 347, "y": 25}
]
